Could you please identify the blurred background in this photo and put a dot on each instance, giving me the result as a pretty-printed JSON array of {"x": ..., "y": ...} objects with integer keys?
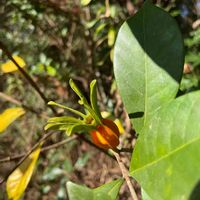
[{"x": 74, "y": 39}]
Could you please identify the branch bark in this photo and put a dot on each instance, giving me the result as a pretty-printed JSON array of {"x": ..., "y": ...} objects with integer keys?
[
  {"x": 27, "y": 76},
  {"x": 125, "y": 174},
  {"x": 46, "y": 148}
]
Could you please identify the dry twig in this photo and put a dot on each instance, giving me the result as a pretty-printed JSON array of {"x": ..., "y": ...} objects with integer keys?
[{"x": 125, "y": 175}]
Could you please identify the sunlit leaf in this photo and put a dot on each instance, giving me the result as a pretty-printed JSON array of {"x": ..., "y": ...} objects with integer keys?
[
  {"x": 51, "y": 71},
  {"x": 168, "y": 147},
  {"x": 9, "y": 66},
  {"x": 85, "y": 2},
  {"x": 111, "y": 36},
  {"x": 19, "y": 179},
  {"x": 8, "y": 116},
  {"x": 148, "y": 62},
  {"x": 119, "y": 126}
]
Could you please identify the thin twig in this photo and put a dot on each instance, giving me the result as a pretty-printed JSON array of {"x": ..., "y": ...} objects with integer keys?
[
  {"x": 125, "y": 150},
  {"x": 27, "y": 76},
  {"x": 52, "y": 146},
  {"x": 26, "y": 155},
  {"x": 17, "y": 102},
  {"x": 125, "y": 175},
  {"x": 58, "y": 144}
]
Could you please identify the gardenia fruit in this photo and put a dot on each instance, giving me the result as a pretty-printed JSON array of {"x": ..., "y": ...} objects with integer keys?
[{"x": 106, "y": 135}]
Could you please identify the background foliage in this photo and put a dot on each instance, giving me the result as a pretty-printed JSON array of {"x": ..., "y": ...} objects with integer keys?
[{"x": 60, "y": 40}]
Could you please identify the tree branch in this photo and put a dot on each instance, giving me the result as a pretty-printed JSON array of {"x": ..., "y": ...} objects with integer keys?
[
  {"x": 17, "y": 102},
  {"x": 46, "y": 148},
  {"x": 26, "y": 155},
  {"x": 27, "y": 76},
  {"x": 125, "y": 175}
]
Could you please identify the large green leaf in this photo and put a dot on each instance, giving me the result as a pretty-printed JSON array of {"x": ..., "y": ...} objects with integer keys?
[
  {"x": 167, "y": 154},
  {"x": 108, "y": 191},
  {"x": 148, "y": 62}
]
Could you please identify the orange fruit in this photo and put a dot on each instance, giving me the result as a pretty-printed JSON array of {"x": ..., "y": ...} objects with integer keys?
[{"x": 106, "y": 135}]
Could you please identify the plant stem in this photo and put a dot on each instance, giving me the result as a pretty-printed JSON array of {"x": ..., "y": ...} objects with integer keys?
[
  {"x": 17, "y": 102},
  {"x": 26, "y": 155},
  {"x": 46, "y": 148},
  {"x": 125, "y": 175}
]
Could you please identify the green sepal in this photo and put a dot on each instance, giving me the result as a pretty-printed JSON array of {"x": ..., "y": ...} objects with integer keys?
[
  {"x": 63, "y": 119},
  {"x": 83, "y": 101},
  {"x": 52, "y": 103},
  {"x": 69, "y": 126},
  {"x": 93, "y": 98},
  {"x": 79, "y": 128}
]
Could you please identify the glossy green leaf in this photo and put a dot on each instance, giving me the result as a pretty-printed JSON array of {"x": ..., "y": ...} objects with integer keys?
[
  {"x": 111, "y": 188},
  {"x": 148, "y": 62},
  {"x": 166, "y": 157},
  {"x": 145, "y": 196},
  {"x": 108, "y": 191}
]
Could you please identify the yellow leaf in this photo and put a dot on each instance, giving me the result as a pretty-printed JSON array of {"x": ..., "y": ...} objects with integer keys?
[
  {"x": 107, "y": 115},
  {"x": 19, "y": 179},
  {"x": 85, "y": 2},
  {"x": 9, "y": 66},
  {"x": 8, "y": 116},
  {"x": 119, "y": 125}
]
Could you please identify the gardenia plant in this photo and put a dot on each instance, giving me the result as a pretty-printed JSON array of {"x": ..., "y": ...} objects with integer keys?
[{"x": 104, "y": 132}]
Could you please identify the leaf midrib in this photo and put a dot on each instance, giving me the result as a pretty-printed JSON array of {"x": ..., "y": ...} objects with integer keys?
[
  {"x": 166, "y": 155},
  {"x": 145, "y": 68}
]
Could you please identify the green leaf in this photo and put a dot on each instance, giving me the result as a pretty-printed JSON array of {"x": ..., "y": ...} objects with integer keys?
[
  {"x": 51, "y": 71},
  {"x": 166, "y": 157},
  {"x": 111, "y": 188},
  {"x": 148, "y": 62},
  {"x": 77, "y": 192},
  {"x": 111, "y": 36},
  {"x": 145, "y": 196},
  {"x": 93, "y": 98},
  {"x": 108, "y": 191}
]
